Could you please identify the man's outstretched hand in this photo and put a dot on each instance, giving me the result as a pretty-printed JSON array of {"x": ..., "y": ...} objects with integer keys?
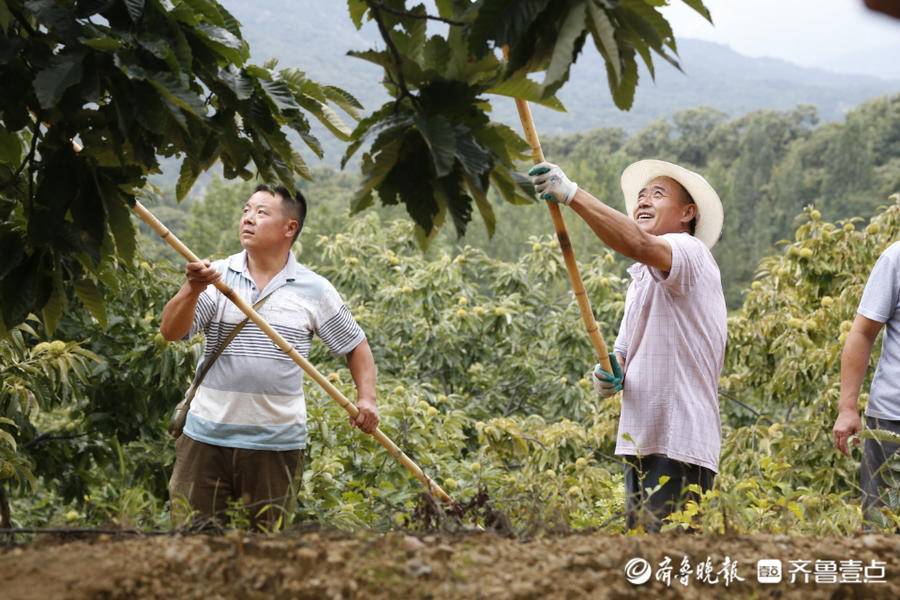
[{"x": 551, "y": 183}]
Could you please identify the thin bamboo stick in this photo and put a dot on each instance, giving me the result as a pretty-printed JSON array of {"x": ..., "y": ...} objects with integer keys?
[
  {"x": 565, "y": 244},
  {"x": 161, "y": 230}
]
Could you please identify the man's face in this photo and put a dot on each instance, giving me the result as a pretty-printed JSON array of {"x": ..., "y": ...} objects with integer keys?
[
  {"x": 264, "y": 224},
  {"x": 662, "y": 207}
]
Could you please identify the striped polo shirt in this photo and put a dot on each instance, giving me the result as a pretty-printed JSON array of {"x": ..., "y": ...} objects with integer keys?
[{"x": 252, "y": 397}]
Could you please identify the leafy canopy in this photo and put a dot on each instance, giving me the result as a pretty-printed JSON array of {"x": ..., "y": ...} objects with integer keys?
[
  {"x": 130, "y": 81},
  {"x": 433, "y": 146}
]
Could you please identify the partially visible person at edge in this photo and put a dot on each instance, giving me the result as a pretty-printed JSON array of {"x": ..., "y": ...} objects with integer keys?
[
  {"x": 245, "y": 434},
  {"x": 879, "y": 306},
  {"x": 671, "y": 344}
]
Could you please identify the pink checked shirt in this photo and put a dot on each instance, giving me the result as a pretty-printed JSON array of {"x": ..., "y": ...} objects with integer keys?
[{"x": 673, "y": 340}]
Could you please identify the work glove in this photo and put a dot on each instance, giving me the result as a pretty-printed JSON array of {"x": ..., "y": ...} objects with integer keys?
[
  {"x": 605, "y": 383},
  {"x": 551, "y": 183}
]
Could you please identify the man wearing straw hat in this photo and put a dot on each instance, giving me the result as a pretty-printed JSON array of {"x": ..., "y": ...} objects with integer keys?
[
  {"x": 245, "y": 431},
  {"x": 671, "y": 341}
]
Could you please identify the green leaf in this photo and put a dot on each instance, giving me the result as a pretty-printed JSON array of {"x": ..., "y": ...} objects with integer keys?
[
  {"x": 623, "y": 90},
  {"x": 327, "y": 117},
  {"x": 135, "y": 9},
  {"x": 51, "y": 83},
  {"x": 603, "y": 32},
  {"x": 5, "y": 16},
  {"x": 177, "y": 91},
  {"x": 280, "y": 94},
  {"x": 90, "y": 295},
  {"x": 300, "y": 167},
  {"x": 237, "y": 82},
  {"x": 484, "y": 207},
  {"x": 228, "y": 45},
  {"x": 698, "y": 6},
  {"x": 103, "y": 43},
  {"x": 438, "y": 134},
  {"x": 10, "y": 147},
  {"x": 8, "y": 439},
  {"x": 190, "y": 170},
  {"x": 526, "y": 89},
  {"x": 357, "y": 9},
  {"x": 121, "y": 225},
  {"x": 475, "y": 160},
  {"x": 53, "y": 311},
  {"x": 374, "y": 171},
  {"x": 565, "y": 51},
  {"x": 344, "y": 99}
]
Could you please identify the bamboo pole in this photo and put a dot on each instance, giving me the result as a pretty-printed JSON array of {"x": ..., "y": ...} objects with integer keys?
[
  {"x": 565, "y": 244},
  {"x": 161, "y": 230}
]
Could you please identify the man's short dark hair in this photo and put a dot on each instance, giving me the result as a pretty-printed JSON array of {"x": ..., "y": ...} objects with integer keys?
[{"x": 293, "y": 205}]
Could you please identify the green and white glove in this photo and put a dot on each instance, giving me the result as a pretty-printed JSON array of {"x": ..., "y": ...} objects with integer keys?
[
  {"x": 551, "y": 183},
  {"x": 605, "y": 383}
]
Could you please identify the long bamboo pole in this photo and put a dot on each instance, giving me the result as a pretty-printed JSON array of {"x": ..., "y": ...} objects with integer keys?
[
  {"x": 565, "y": 244},
  {"x": 161, "y": 230}
]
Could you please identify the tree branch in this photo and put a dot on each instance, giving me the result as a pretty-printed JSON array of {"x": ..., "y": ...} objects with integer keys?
[
  {"x": 398, "y": 60},
  {"x": 403, "y": 13},
  {"x": 49, "y": 437},
  {"x": 28, "y": 158}
]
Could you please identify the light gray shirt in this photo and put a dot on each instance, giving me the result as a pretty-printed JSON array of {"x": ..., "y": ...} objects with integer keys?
[
  {"x": 673, "y": 340},
  {"x": 880, "y": 302}
]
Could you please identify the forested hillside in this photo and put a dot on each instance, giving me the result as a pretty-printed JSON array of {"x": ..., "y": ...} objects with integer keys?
[
  {"x": 766, "y": 166},
  {"x": 314, "y": 35}
]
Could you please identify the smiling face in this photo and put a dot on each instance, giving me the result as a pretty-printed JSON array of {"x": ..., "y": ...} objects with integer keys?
[
  {"x": 664, "y": 207},
  {"x": 264, "y": 225}
]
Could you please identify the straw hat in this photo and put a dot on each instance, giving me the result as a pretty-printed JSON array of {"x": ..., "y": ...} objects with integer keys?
[{"x": 709, "y": 208}]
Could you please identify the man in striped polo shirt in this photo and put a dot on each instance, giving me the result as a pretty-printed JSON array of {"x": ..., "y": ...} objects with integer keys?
[{"x": 246, "y": 431}]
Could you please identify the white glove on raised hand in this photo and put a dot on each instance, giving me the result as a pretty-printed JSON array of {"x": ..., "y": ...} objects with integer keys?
[{"x": 551, "y": 183}]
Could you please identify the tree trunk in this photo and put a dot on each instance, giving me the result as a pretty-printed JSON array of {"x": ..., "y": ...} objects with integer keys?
[{"x": 5, "y": 519}]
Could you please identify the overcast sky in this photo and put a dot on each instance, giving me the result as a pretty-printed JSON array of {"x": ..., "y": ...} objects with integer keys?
[{"x": 841, "y": 35}]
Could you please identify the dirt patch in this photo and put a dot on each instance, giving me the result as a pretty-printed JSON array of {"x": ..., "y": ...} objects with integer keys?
[{"x": 478, "y": 565}]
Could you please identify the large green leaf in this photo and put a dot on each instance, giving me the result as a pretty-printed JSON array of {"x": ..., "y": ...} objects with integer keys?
[
  {"x": 186, "y": 178},
  {"x": 375, "y": 169},
  {"x": 51, "y": 83},
  {"x": 228, "y": 45},
  {"x": 604, "y": 36},
  {"x": 92, "y": 298},
  {"x": 441, "y": 139},
  {"x": 526, "y": 89},
  {"x": 237, "y": 82},
  {"x": 5, "y": 16},
  {"x": 280, "y": 94},
  {"x": 698, "y": 6},
  {"x": 120, "y": 224},
  {"x": 53, "y": 311},
  {"x": 10, "y": 148},
  {"x": 327, "y": 117},
  {"x": 566, "y": 49},
  {"x": 344, "y": 99},
  {"x": 357, "y": 8}
]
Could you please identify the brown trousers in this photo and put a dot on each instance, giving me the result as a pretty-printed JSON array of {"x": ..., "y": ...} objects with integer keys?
[{"x": 210, "y": 481}]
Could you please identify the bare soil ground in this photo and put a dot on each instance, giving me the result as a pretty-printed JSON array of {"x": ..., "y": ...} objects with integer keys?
[{"x": 397, "y": 565}]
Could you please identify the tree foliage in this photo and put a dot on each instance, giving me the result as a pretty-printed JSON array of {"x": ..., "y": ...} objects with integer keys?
[
  {"x": 433, "y": 146},
  {"x": 130, "y": 81}
]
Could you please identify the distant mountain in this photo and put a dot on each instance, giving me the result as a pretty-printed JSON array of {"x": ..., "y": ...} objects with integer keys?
[{"x": 314, "y": 36}]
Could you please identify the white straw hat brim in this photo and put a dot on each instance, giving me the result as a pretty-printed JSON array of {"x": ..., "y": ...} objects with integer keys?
[{"x": 710, "y": 215}]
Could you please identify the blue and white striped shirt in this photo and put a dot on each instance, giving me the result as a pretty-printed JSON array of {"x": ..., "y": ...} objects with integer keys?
[{"x": 252, "y": 397}]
